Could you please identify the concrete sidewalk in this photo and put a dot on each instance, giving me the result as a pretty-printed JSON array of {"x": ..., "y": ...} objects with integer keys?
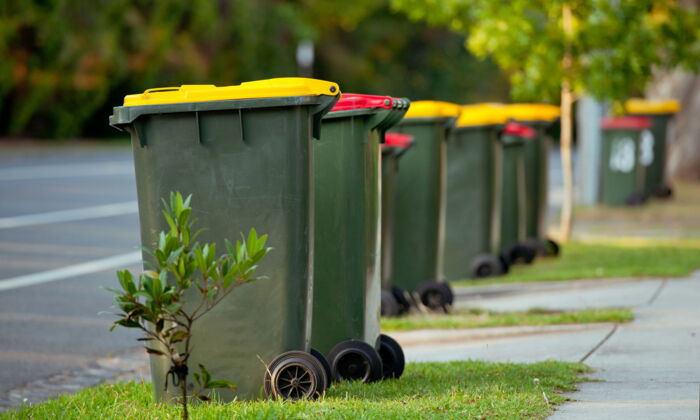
[{"x": 650, "y": 368}]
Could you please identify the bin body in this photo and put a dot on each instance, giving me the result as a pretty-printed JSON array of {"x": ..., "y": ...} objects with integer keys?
[
  {"x": 653, "y": 144},
  {"x": 623, "y": 176},
  {"x": 419, "y": 211},
  {"x": 473, "y": 194},
  {"x": 347, "y": 282},
  {"x": 247, "y": 164},
  {"x": 513, "y": 191}
]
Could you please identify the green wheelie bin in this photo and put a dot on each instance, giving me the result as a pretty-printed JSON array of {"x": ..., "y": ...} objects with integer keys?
[
  {"x": 513, "y": 235},
  {"x": 473, "y": 206},
  {"x": 244, "y": 152},
  {"x": 623, "y": 176},
  {"x": 346, "y": 307},
  {"x": 419, "y": 211},
  {"x": 394, "y": 300},
  {"x": 653, "y": 143},
  {"x": 536, "y": 152}
]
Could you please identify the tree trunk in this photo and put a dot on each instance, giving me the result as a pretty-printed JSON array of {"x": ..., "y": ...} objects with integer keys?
[
  {"x": 566, "y": 131},
  {"x": 183, "y": 401}
]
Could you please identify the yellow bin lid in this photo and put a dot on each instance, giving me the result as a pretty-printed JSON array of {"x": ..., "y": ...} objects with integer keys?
[
  {"x": 482, "y": 114},
  {"x": 269, "y": 88},
  {"x": 645, "y": 106},
  {"x": 532, "y": 112},
  {"x": 433, "y": 109}
]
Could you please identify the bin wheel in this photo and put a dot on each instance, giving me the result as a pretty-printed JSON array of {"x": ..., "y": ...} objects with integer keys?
[
  {"x": 402, "y": 298},
  {"x": 390, "y": 307},
  {"x": 295, "y": 375},
  {"x": 539, "y": 246},
  {"x": 355, "y": 360},
  {"x": 663, "y": 192},
  {"x": 505, "y": 265},
  {"x": 552, "y": 248},
  {"x": 324, "y": 362},
  {"x": 435, "y": 295},
  {"x": 636, "y": 199},
  {"x": 520, "y": 253},
  {"x": 393, "y": 360},
  {"x": 485, "y": 265}
]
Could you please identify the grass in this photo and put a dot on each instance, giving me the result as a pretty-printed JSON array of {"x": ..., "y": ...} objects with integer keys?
[
  {"x": 470, "y": 389},
  {"x": 609, "y": 258},
  {"x": 479, "y": 318}
]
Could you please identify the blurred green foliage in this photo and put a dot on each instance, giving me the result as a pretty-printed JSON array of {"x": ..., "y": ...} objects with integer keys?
[
  {"x": 614, "y": 45},
  {"x": 66, "y": 63}
]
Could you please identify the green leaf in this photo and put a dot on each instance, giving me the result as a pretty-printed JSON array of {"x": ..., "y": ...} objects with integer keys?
[
  {"x": 221, "y": 384},
  {"x": 153, "y": 351}
]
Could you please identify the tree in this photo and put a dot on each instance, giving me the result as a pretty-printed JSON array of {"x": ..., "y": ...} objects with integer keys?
[{"x": 554, "y": 50}]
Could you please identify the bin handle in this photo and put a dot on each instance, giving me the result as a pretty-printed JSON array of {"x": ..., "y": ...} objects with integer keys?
[{"x": 161, "y": 89}]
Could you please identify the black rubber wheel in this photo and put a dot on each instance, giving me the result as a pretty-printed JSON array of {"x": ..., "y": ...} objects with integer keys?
[
  {"x": 505, "y": 265},
  {"x": 295, "y": 375},
  {"x": 663, "y": 192},
  {"x": 636, "y": 199},
  {"x": 485, "y": 265},
  {"x": 436, "y": 296},
  {"x": 390, "y": 307},
  {"x": 324, "y": 363},
  {"x": 403, "y": 299},
  {"x": 552, "y": 247},
  {"x": 393, "y": 360},
  {"x": 519, "y": 253},
  {"x": 539, "y": 246},
  {"x": 355, "y": 360}
]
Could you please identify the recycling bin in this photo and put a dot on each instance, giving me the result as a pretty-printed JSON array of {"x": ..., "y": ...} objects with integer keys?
[
  {"x": 394, "y": 299},
  {"x": 473, "y": 206},
  {"x": 653, "y": 143},
  {"x": 244, "y": 152},
  {"x": 419, "y": 211},
  {"x": 346, "y": 307},
  {"x": 536, "y": 154},
  {"x": 623, "y": 176},
  {"x": 513, "y": 235}
]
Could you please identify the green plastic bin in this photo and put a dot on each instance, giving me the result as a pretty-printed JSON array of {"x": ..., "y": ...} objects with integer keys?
[
  {"x": 245, "y": 154},
  {"x": 394, "y": 299},
  {"x": 623, "y": 177},
  {"x": 347, "y": 246},
  {"x": 653, "y": 143},
  {"x": 536, "y": 152},
  {"x": 473, "y": 209},
  {"x": 419, "y": 211},
  {"x": 513, "y": 236}
]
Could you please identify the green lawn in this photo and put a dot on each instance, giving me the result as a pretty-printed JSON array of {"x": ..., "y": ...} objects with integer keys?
[
  {"x": 605, "y": 259},
  {"x": 479, "y": 318},
  {"x": 453, "y": 390}
]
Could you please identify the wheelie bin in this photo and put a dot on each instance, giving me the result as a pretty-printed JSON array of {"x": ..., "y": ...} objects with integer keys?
[
  {"x": 346, "y": 307},
  {"x": 623, "y": 176},
  {"x": 653, "y": 143},
  {"x": 419, "y": 211},
  {"x": 536, "y": 152},
  {"x": 394, "y": 300},
  {"x": 244, "y": 152},
  {"x": 513, "y": 235},
  {"x": 473, "y": 212}
]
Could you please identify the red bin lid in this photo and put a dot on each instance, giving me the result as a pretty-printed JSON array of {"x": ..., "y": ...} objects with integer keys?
[
  {"x": 398, "y": 140},
  {"x": 626, "y": 123},
  {"x": 349, "y": 101},
  {"x": 519, "y": 130}
]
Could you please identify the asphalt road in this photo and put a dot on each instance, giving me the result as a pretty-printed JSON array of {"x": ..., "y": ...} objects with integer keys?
[{"x": 68, "y": 220}]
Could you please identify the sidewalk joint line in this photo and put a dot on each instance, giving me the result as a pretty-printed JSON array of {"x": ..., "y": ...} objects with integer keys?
[
  {"x": 597, "y": 346},
  {"x": 658, "y": 291}
]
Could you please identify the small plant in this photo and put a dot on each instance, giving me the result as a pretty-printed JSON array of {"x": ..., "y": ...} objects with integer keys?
[{"x": 188, "y": 281}]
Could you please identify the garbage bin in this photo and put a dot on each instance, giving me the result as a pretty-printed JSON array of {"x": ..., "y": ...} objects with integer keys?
[
  {"x": 515, "y": 248},
  {"x": 419, "y": 211},
  {"x": 653, "y": 143},
  {"x": 394, "y": 299},
  {"x": 473, "y": 211},
  {"x": 623, "y": 176},
  {"x": 536, "y": 152},
  {"x": 244, "y": 153},
  {"x": 347, "y": 247}
]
